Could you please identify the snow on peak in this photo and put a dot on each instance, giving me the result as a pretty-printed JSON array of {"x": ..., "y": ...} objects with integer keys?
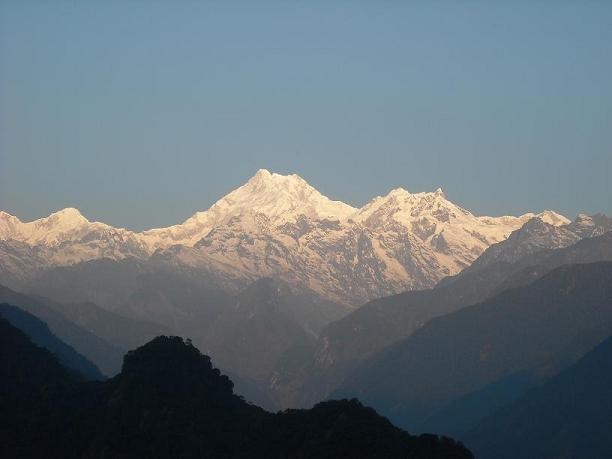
[
  {"x": 281, "y": 198},
  {"x": 404, "y": 207},
  {"x": 66, "y": 217},
  {"x": 553, "y": 218},
  {"x": 43, "y": 230},
  {"x": 548, "y": 216}
]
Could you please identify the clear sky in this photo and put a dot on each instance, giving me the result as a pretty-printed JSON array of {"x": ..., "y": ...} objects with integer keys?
[{"x": 140, "y": 113}]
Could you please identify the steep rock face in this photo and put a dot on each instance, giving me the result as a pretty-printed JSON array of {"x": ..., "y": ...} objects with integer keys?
[{"x": 280, "y": 226}]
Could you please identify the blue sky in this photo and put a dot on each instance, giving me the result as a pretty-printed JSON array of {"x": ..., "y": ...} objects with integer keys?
[{"x": 140, "y": 113}]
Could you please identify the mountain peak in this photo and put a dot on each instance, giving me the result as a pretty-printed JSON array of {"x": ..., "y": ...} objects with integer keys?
[
  {"x": 68, "y": 215},
  {"x": 405, "y": 194},
  {"x": 553, "y": 218},
  {"x": 281, "y": 198},
  {"x": 263, "y": 178},
  {"x": 175, "y": 366},
  {"x": 263, "y": 173},
  {"x": 403, "y": 206},
  {"x": 45, "y": 229}
]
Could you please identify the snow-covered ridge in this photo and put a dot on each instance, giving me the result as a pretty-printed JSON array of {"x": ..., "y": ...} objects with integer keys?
[
  {"x": 280, "y": 226},
  {"x": 282, "y": 199}
]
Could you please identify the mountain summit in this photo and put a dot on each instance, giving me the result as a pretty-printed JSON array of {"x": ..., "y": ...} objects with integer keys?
[
  {"x": 278, "y": 198},
  {"x": 282, "y": 198}
]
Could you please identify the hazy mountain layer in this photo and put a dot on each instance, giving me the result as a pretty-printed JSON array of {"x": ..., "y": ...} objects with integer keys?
[{"x": 461, "y": 352}]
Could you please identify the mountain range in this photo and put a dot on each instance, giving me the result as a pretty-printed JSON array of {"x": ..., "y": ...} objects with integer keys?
[{"x": 279, "y": 226}]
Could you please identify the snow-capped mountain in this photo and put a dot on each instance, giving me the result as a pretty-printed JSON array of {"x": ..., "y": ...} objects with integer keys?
[
  {"x": 67, "y": 237},
  {"x": 281, "y": 199},
  {"x": 280, "y": 226}
]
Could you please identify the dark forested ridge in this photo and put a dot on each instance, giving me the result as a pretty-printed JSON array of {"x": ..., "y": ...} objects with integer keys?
[{"x": 169, "y": 401}]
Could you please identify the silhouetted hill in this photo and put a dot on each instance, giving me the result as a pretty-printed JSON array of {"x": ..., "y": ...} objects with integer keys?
[
  {"x": 169, "y": 402},
  {"x": 25, "y": 367},
  {"x": 40, "y": 335},
  {"x": 570, "y": 416},
  {"x": 32, "y": 388},
  {"x": 569, "y": 309}
]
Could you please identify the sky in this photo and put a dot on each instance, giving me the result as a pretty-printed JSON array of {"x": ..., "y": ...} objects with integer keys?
[{"x": 141, "y": 113}]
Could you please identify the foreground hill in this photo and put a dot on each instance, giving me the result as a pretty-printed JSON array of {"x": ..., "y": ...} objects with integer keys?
[
  {"x": 570, "y": 416},
  {"x": 169, "y": 401},
  {"x": 568, "y": 311}
]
